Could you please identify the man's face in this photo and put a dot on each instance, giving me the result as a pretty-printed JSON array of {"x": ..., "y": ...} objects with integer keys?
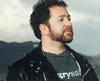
[{"x": 60, "y": 27}]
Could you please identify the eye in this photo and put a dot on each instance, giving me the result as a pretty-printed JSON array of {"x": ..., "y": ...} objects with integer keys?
[
  {"x": 61, "y": 19},
  {"x": 69, "y": 18}
]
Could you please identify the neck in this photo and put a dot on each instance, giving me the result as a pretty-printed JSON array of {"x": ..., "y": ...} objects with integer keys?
[{"x": 52, "y": 46}]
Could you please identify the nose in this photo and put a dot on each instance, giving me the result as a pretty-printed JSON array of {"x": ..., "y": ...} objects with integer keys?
[{"x": 68, "y": 23}]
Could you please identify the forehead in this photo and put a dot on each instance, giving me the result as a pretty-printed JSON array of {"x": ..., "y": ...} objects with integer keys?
[{"x": 56, "y": 11}]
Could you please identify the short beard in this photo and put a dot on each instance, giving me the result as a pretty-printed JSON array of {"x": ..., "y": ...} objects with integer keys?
[{"x": 60, "y": 38}]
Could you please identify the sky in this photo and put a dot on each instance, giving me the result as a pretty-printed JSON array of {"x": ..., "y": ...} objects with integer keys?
[{"x": 85, "y": 17}]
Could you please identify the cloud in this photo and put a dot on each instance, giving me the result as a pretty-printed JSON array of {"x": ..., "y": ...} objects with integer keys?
[
  {"x": 84, "y": 6},
  {"x": 14, "y": 21},
  {"x": 86, "y": 21},
  {"x": 28, "y": 2},
  {"x": 85, "y": 17}
]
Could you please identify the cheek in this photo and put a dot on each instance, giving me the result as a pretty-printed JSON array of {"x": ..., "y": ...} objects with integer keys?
[{"x": 56, "y": 27}]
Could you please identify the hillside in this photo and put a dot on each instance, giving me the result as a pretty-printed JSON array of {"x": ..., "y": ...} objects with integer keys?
[
  {"x": 10, "y": 52},
  {"x": 95, "y": 62}
]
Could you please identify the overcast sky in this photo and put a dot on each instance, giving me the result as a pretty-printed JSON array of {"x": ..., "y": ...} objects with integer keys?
[{"x": 85, "y": 17}]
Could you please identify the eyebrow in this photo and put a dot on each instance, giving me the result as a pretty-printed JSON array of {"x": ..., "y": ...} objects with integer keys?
[{"x": 63, "y": 16}]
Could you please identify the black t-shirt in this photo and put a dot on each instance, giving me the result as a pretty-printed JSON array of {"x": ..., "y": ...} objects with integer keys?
[{"x": 65, "y": 66}]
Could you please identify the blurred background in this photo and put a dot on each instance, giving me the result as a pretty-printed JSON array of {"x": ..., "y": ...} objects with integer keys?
[{"x": 17, "y": 37}]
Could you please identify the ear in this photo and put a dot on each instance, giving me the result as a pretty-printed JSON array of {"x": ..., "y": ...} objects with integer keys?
[{"x": 44, "y": 29}]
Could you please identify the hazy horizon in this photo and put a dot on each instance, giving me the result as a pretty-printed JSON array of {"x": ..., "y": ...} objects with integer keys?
[{"x": 85, "y": 17}]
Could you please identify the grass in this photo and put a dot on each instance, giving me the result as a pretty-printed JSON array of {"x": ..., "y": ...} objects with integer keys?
[{"x": 2, "y": 77}]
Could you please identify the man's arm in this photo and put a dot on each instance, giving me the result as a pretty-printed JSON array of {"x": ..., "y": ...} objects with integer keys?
[
  {"x": 93, "y": 75},
  {"x": 11, "y": 76}
]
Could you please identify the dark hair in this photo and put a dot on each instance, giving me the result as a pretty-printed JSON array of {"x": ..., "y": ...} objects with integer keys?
[{"x": 41, "y": 14}]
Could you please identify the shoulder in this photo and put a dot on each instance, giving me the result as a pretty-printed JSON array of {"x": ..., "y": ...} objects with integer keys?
[
  {"x": 18, "y": 64},
  {"x": 76, "y": 54},
  {"x": 81, "y": 58},
  {"x": 21, "y": 62}
]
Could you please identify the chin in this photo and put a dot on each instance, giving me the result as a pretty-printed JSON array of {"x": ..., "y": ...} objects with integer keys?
[{"x": 68, "y": 40}]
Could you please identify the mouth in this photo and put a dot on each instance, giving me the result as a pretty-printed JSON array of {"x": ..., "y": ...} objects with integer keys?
[{"x": 68, "y": 31}]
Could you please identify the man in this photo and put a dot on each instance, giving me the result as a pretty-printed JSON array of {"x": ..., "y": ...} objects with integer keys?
[{"x": 52, "y": 60}]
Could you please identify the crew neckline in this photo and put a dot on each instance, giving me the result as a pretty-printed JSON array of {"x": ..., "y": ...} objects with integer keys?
[{"x": 53, "y": 54}]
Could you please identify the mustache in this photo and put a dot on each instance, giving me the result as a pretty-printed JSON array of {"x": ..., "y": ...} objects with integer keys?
[{"x": 69, "y": 29}]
